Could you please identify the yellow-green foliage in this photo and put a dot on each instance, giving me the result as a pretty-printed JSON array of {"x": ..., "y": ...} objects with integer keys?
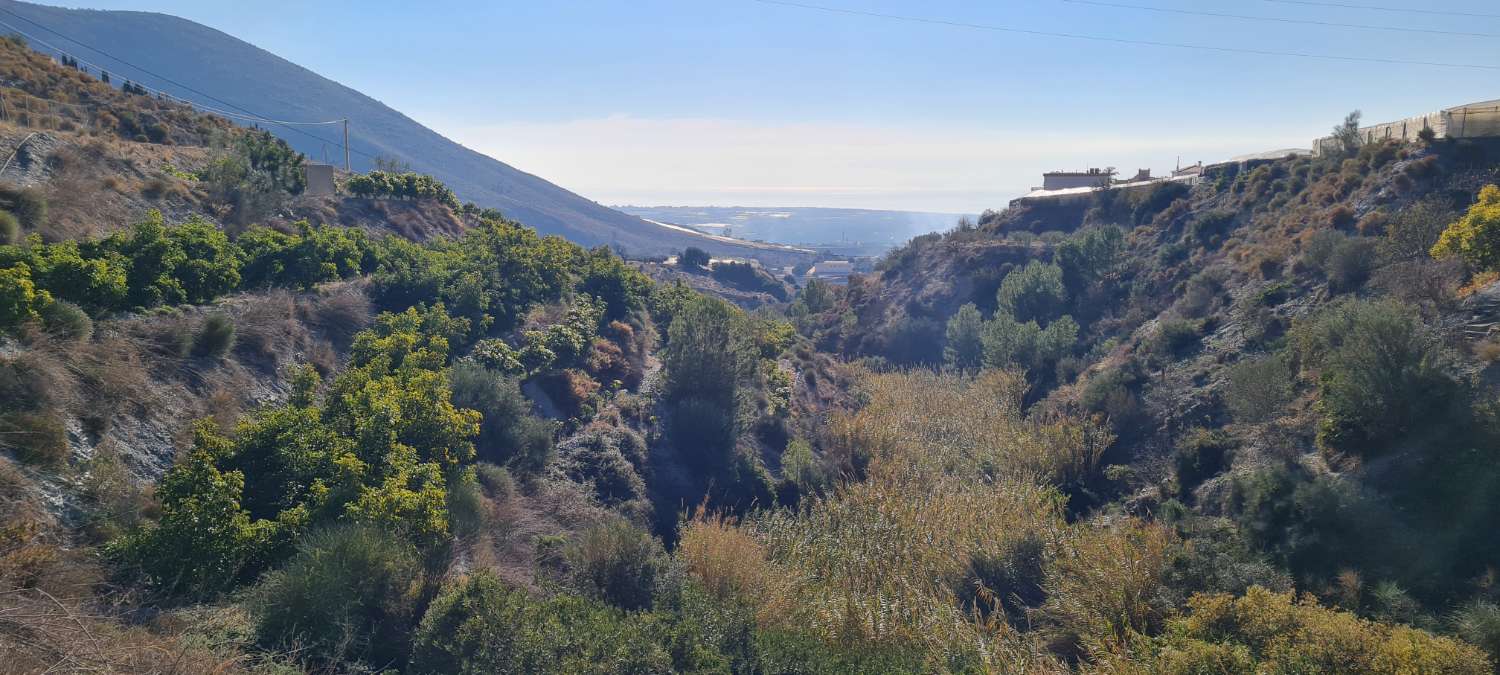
[
  {"x": 20, "y": 299},
  {"x": 1267, "y": 632},
  {"x": 1476, "y": 236},
  {"x": 379, "y": 449}
]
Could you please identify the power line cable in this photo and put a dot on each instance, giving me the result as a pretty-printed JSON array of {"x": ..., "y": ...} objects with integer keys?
[
  {"x": 1129, "y": 41},
  {"x": 1275, "y": 19},
  {"x": 1377, "y": 8},
  {"x": 245, "y": 113}
]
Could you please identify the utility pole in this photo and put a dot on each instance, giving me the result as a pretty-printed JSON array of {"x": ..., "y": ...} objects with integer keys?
[{"x": 346, "y": 144}]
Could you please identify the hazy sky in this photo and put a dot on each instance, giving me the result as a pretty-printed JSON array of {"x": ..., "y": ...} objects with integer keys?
[{"x": 739, "y": 102}]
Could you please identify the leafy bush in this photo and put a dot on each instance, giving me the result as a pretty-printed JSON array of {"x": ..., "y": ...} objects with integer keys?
[
  {"x": 376, "y": 451},
  {"x": 911, "y": 340},
  {"x": 479, "y": 626},
  {"x": 1160, "y": 197},
  {"x": 749, "y": 278},
  {"x": 20, "y": 300},
  {"x": 408, "y": 185},
  {"x": 1381, "y": 373},
  {"x": 1476, "y": 237},
  {"x": 1264, "y": 631},
  {"x": 1011, "y": 344},
  {"x": 616, "y": 563},
  {"x": 1210, "y": 226},
  {"x": 509, "y": 435},
  {"x": 350, "y": 594}
]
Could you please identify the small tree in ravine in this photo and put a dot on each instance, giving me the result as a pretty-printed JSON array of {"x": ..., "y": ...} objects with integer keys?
[{"x": 965, "y": 347}]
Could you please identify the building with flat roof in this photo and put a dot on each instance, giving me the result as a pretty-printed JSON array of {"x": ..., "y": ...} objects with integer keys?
[{"x": 1063, "y": 180}]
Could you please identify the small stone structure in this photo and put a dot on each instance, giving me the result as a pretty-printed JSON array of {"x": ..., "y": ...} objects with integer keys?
[{"x": 319, "y": 179}]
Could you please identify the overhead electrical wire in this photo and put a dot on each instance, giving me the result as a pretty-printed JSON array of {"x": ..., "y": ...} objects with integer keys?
[
  {"x": 1276, "y": 19},
  {"x": 1377, "y": 8},
  {"x": 1128, "y": 41},
  {"x": 244, "y": 114}
]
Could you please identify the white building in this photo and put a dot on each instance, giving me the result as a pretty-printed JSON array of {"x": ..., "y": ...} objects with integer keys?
[
  {"x": 831, "y": 270},
  {"x": 1063, "y": 180}
]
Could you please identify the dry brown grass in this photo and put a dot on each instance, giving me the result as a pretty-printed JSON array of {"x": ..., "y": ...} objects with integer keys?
[
  {"x": 732, "y": 565},
  {"x": 43, "y": 633}
]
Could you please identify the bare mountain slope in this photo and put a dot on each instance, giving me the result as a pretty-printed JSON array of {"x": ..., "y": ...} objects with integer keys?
[{"x": 239, "y": 74}]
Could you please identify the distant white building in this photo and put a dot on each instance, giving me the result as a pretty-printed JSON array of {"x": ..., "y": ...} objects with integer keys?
[
  {"x": 1063, "y": 180},
  {"x": 831, "y": 270}
]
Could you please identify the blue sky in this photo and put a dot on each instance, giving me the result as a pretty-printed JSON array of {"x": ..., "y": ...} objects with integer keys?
[{"x": 737, "y": 102}]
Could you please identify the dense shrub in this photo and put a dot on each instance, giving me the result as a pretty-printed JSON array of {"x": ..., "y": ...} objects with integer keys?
[
  {"x": 1265, "y": 631},
  {"x": 20, "y": 299},
  {"x": 350, "y": 594},
  {"x": 1201, "y": 455},
  {"x": 1160, "y": 197},
  {"x": 1173, "y": 337},
  {"x": 1212, "y": 225},
  {"x": 1008, "y": 343},
  {"x": 408, "y": 185},
  {"x": 694, "y": 258},
  {"x": 27, "y": 205},
  {"x": 616, "y": 563},
  {"x": 479, "y": 626},
  {"x": 913, "y": 340},
  {"x": 1381, "y": 373},
  {"x": 215, "y": 336},
  {"x": 509, "y": 435}
]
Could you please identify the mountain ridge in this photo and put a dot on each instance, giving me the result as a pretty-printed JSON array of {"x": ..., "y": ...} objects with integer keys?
[{"x": 196, "y": 54}]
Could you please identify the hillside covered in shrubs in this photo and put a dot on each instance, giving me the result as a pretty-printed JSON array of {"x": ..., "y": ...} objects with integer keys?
[{"x": 1244, "y": 426}]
